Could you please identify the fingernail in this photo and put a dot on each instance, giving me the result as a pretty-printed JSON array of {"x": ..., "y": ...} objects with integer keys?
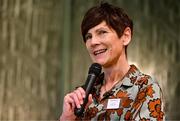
[
  {"x": 78, "y": 106},
  {"x": 81, "y": 102}
]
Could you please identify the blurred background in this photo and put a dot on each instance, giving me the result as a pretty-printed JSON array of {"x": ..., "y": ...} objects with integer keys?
[{"x": 43, "y": 57}]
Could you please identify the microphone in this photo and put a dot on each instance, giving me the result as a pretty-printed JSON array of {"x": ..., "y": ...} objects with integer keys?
[{"x": 94, "y": 72}]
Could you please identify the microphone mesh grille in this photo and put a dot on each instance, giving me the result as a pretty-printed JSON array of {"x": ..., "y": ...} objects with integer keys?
[{"x": 95, "y": 68}]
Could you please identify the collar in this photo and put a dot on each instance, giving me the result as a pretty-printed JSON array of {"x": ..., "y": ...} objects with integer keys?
[
  {"x": 129, "y": 78},
  {"x": 127, "y": 82}
]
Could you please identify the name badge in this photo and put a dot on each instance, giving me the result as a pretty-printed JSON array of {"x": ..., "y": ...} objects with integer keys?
[{"x": 113, "y": 103}]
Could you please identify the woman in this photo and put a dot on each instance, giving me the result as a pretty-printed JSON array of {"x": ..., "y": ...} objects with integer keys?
[{"x": 122, "y": 91}]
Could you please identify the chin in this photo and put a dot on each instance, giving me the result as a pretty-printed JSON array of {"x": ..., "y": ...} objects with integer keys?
[{"x": 100, "y": 62}]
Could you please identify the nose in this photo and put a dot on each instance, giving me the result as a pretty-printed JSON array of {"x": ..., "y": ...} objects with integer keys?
[{"x": 94, "y": 41}]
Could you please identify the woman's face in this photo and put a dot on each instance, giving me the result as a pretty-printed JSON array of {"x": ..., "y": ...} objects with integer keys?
[{"x": 104, "y": 45}]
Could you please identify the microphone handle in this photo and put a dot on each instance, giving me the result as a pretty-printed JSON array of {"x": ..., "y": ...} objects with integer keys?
[
  {"x": 79, "y": 112},
  {"x": 88, "y": 87}
]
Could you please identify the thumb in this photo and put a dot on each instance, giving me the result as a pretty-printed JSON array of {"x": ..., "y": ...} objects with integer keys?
[{"x": 90, "y": 100}]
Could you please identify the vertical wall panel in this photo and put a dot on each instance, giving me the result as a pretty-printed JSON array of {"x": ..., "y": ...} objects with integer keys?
[{"x": 29, "y": 59}]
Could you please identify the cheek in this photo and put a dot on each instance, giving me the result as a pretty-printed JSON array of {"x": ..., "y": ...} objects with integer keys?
[
  {"x": 87, "y": 47},
  {"x": 116, "y": 49},
  {"x": 89, "y": 51}
]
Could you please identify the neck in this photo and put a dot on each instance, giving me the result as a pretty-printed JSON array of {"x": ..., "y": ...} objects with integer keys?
[{"x": 116, "y": 72}]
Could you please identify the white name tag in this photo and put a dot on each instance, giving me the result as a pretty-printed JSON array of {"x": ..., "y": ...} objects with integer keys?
[{"x": 113, "y": 103}]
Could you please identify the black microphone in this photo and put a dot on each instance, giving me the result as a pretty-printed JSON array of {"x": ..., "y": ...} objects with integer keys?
[{"x": 94, "y": 72}]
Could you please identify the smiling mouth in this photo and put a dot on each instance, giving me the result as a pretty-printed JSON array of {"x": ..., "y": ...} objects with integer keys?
[{"x": 99, "y": 51}]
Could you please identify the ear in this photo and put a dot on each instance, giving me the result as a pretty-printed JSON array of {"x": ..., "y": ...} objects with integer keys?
[{"x": 126, "y": 36}]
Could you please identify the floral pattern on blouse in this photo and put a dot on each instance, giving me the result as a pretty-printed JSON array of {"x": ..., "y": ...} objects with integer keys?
[{"x": 140, "y": 99}]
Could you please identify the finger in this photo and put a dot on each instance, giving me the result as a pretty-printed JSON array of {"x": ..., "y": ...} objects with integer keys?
[
  {"x": 68, "y": 106},
  {"x": 75, "y": 99},
  {"x": 90, "y": 100},
  {"x": 69, "y": 100},
  {"x": 80, "y": 93},
  {"x": 69, "y": 103}
]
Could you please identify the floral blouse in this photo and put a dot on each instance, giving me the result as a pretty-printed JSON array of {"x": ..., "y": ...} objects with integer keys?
[{"x": 136, "y": 97}]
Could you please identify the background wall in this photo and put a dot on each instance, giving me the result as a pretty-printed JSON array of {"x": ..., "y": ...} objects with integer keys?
[
  {"x": 30, "y": 64},
  {"x": 42, "y": 55}
]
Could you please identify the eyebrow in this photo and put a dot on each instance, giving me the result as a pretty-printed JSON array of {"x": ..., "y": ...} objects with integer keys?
[
  {"x": 98, "y": 29},
  {"x": 104, "y": 28}
]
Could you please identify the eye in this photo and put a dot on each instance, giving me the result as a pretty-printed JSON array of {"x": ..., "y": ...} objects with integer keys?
[
  {"x": 102, "y": 32},
  {"x": 88, "y": 36}
]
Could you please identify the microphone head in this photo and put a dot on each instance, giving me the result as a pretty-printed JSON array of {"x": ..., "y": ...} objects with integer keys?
[{"x": 95, "y": 68}]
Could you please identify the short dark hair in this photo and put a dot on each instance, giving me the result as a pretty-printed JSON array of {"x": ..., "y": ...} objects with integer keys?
[{"x": 115, "y": 17}]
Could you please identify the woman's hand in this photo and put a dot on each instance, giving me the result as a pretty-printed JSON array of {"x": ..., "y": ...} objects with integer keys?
[{"x": 72, "y": 100}]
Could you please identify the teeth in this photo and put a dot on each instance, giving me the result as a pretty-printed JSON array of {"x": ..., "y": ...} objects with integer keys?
[{"x": 99, "y": 51}]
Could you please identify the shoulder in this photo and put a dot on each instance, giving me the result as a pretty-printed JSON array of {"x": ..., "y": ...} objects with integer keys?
[
  {"x": 138, "y": 78},
  {"x": 143, "y": 80},
  {"x": 148, "y": 86}
]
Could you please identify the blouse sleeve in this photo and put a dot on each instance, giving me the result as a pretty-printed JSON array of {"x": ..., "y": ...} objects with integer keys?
[{"x": 148, "y": 104}]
